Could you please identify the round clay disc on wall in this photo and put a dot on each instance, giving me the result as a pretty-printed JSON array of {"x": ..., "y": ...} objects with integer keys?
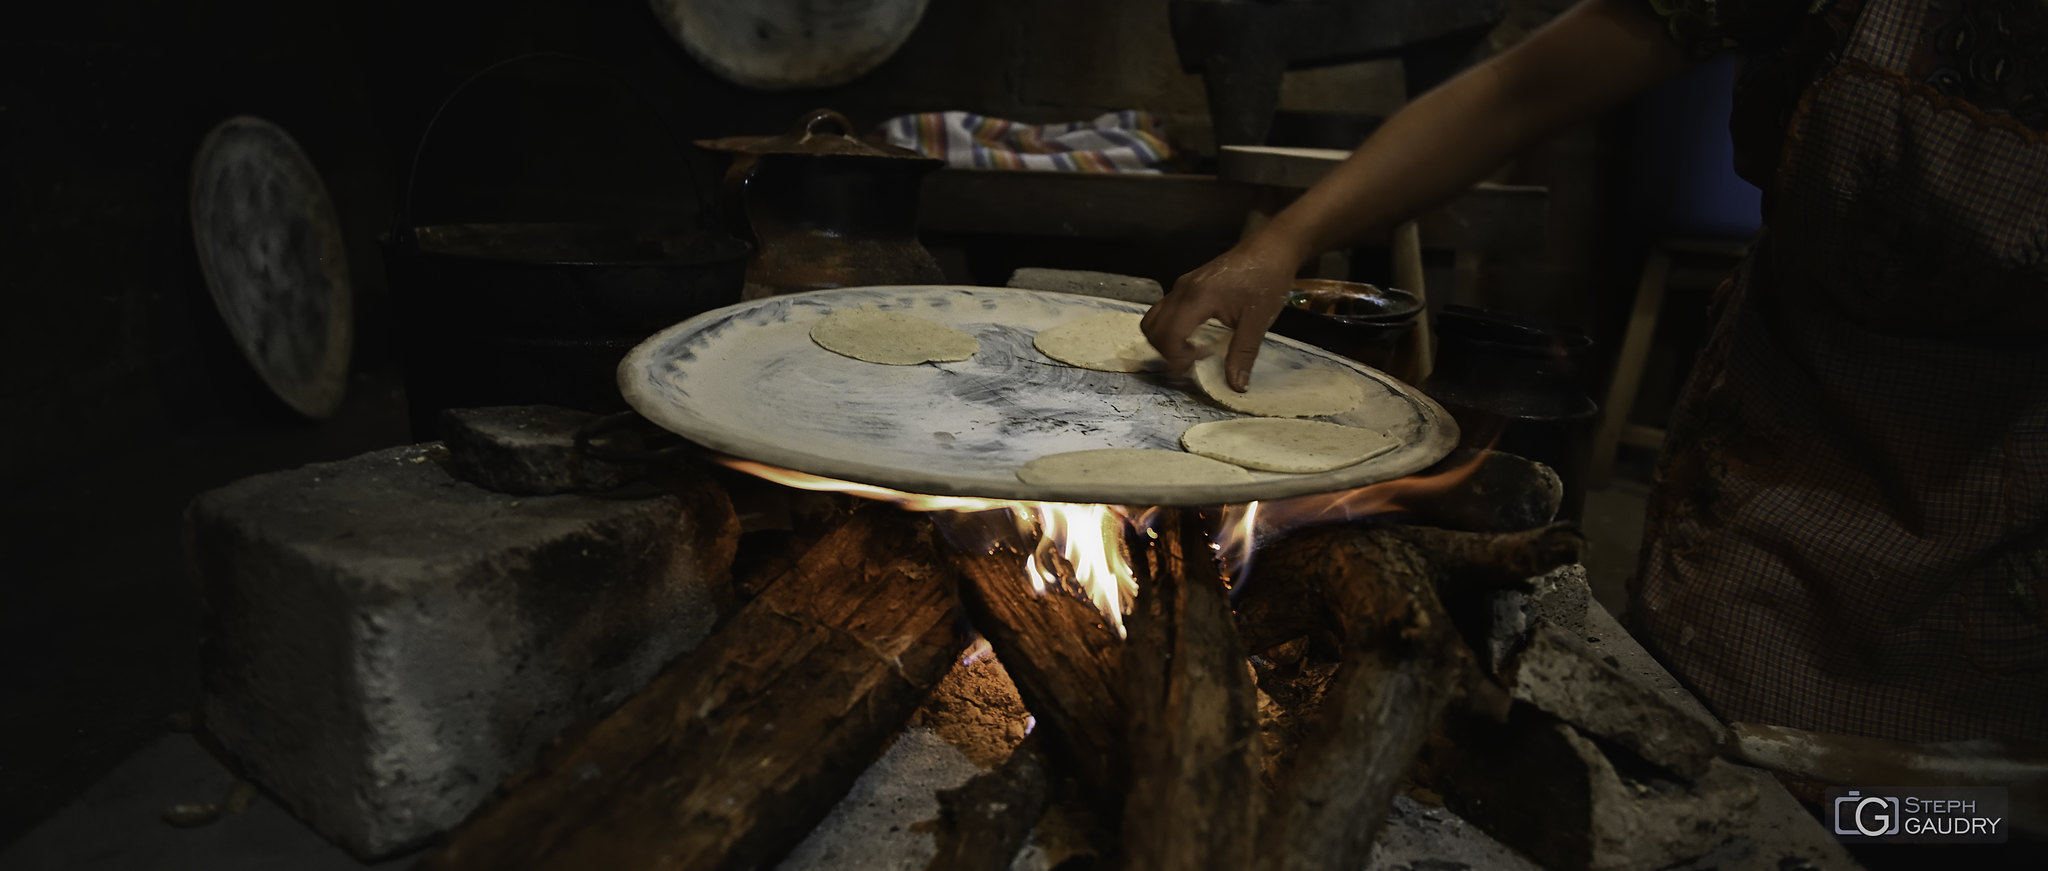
[
  {"x": 271, "y": 249},
  {"x": 786, "y": 44}
]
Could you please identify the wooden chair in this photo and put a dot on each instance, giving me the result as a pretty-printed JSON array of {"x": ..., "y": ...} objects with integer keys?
[{"x": 1700, "y": 263}]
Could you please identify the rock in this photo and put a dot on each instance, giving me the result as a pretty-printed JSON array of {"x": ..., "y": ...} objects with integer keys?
[
  {"x": 1108, "y": 285},
  {"x": 1560, "y": 675},
  {"x": 1544, "y": 788},
  {"x": 383, "y": 643},
  {"x": 527, "y": 450},
  {"x": 1560, "y": 598}
]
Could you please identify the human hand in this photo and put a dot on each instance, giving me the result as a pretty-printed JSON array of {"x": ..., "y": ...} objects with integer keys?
[{"x": 1244, "y": 288}]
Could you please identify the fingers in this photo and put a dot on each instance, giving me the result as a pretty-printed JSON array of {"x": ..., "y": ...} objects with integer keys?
[
  {"x": 1169, "y": 323},
  {"x": 1251, "y": 326},
  {"x": 1237, "y": 365}
]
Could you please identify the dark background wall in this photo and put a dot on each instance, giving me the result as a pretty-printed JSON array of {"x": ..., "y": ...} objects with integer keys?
[
  {"x": 120, "y": 390},
  {"x": 121, "y": 393}
]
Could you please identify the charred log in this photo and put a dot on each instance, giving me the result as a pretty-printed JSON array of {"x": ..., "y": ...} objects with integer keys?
[
  {"x": 1066, "y": 662},
  {"x": 1402, "y": 664},
  {"x": 739, "y": 748},
  {"x": 1194, "y": 734},
  {"x": 983, "y": 823}
]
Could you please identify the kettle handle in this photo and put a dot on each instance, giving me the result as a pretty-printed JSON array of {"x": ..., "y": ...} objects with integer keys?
[
  {"x": 817, "y": 119},
  {"x": 403, "y": 233}
]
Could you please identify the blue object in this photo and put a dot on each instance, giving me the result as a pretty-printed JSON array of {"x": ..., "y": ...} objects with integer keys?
[{"x": 1682, "y": 177}]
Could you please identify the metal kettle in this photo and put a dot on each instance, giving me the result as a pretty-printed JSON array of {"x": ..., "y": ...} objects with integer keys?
[{"x": 825, "y": 209}]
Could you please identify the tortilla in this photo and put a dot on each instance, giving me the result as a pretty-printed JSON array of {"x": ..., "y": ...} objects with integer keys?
[
  {"x": 1313, "y": 392},
  {"x": 1280, "y": 444},
  {"x": 893, "y": 338},
  {"x": 1130, "y": 467},
  {"x": 1110, "y": 342}
]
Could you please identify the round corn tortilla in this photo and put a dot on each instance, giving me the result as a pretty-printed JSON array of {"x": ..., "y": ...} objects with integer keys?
[
  {"x": 1282, "y": 444},
  {"x": 1129, "y": 467},
  {"x": 1110, "y": 342},
  {"x": 1315, "y": 392},
  {"x": 893, "y": 338}
]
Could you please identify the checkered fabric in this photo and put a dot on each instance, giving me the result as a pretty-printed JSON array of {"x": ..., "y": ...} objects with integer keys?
[{"x": 1850, "y": 532}]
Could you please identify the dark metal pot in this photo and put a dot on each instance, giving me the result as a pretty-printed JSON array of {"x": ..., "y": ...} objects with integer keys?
[
  {"x": 1373, "y": 325},
  {"x": 825, "y": 209},
  {"x": 540, "y": 313},
  {"x": 1517, "y": 385}
]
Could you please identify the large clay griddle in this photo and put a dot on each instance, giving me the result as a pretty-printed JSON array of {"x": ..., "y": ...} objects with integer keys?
[{"x": 747, "y": 380}]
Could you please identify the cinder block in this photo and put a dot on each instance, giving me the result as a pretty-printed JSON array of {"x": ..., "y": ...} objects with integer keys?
[
  {"x": 1108, "y": 285},
  {"x": 528, "y": 450},
  {"x": 1559, "y": 674},
  {"x": 1544, "y": 788},
  {"x": 384, "y": 644},
  {"x": 1560, "y": 598}
]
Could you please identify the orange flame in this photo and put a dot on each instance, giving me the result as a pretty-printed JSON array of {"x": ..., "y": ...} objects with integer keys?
[
  {"x": 1082, "y": 544},
  {"x": 1244, "y": 526}
]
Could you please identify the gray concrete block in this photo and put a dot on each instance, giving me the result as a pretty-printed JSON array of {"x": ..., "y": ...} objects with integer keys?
[
  {"x": 527, "y": 450},
  {"x": 1546, "y": 789},
  {"x": 885, "y": 822},
  {"x": 1560, "y": 598},
  {"x": 1108, "y": 285},
  {"x": 383, "y": 643},
  {"x": 1652, "y": 824},
  {"x": 1560, "y": 675}
]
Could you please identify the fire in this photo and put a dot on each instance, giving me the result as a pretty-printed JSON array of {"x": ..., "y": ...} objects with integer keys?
[
  {"x": 1244, "y": 526},
  {"x": 1075, "y": 544},
  {"x": 1082, "y": 546}
]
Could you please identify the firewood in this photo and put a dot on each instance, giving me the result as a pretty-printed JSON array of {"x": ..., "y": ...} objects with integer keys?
[
  {"x": 1066, "y": 661},
  {"x": 984, "y": 822},
  {"x": 1495, "y": 559},
  {"x": 739, "y": 748},
  {"x": 1401, "y": 666},
  {"x": 1194, "y": 732},
  {"x": 1284, "y": 598}
]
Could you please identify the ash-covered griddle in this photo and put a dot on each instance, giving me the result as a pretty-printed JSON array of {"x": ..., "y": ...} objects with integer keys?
[{"x": 747, "y": 380}]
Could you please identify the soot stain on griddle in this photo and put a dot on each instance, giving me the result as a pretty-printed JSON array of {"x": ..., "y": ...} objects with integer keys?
[{"x": 1043, "y": 423}]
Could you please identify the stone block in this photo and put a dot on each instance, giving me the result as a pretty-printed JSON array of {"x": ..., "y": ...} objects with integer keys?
[
  {"x": 384, "y": 643},
  {"x": 527, "y": 450},
  {"x": 1561, "y": 676},
  {"x": 1107, "y": 285},
  {"x": 1543, "y": 787},
  {"x": 1560, "y": 598}
]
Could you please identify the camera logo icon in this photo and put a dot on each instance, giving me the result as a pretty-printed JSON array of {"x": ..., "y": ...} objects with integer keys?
[{"x": 1868, "y": 815}]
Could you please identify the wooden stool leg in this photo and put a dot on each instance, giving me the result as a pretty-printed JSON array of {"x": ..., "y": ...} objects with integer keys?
[
  {"x": 1407, "y": 255},
  {"x": 1628, "y": 367}
]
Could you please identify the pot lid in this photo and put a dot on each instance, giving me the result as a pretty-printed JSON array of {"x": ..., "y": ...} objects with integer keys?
[{"x": 822, "y": 132}]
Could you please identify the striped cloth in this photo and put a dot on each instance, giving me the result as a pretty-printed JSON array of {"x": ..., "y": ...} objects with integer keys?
[{"x": 1126, "y": 141}]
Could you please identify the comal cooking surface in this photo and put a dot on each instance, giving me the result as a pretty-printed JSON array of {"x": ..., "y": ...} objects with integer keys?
[{"x": 747, "y": 380}]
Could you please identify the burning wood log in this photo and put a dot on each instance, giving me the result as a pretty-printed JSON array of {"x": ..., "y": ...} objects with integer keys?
[
  {"x": 739, "y": 748},
  {"x": 1194, "y": 732},
  {"x": 1066, "y": 662},
  {"x": 1402, "y": 664},
  {"x": 983, "y": 824}
]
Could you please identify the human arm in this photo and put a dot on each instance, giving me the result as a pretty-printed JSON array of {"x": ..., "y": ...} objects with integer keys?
[{"x": 1592, "y": 57}]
